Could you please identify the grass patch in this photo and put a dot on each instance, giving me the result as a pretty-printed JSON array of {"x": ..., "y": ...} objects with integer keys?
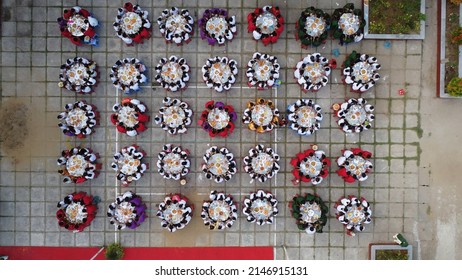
[
  {"x": 395, "y": 17},
  {"x": 384, "y": 254},
  {"x": 451, "y": 67}
]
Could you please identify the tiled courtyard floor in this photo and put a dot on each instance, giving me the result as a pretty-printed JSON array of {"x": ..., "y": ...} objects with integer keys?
[{"x": 32, "y": 52}]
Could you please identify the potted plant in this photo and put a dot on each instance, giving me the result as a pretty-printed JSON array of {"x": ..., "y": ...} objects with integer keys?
[{"x": 114, "y": 251}]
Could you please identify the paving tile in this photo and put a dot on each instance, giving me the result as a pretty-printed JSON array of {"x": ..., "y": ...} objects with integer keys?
[
  {"x": 336, "y": 254},
  {"x": 22, "y": 238},
  {"x": 413, "y": 61},
  {"x": 396, "y": 151},
  {"x": 37, "y": 238},
  {"x": 396, "y": 135},
  {"x": 293, "y": 254},
  {"x": 397, "y": 120},
  {"x": 22, "y": 224},
  {"x": 8, "y": 45},
  {"x": 398, "y": 47},
  {"x": 336, "y": 239},
  {"x": 411, "y": 166},
  {"x": 352, "y": 254},
  {"x": 52, "y": 238},
  {"x": 82, "y": 239},
  {"x": 396, "y": 225},
  {"x": 8, "y": 223},
  {"x": 411, "y": 136},
  {"x": 381, "y": 210},
  {"x": 67, "y": 239},
  {"x": 411, "y": 210},
  {"x": 306, "y": 253},
  {"x": 413, "y": 77},
  {"x": 97, "y": 239},
  {"x": 412, "y": 121},
  {"x": 381, "y": 49},
  {"x": 321, "y": 254},
  {"x": 37, "y": 224},
  {"x": 413, "y": 47},
  {"x": 37, "y": 208},
  {"x": 7, "y": 209},
  {"x": 8, "y": 28},
  {"x": 412, "y": 106},
  {"x": 322, "y": 239},
  {"x": 22, "y": 209},
  {"x": 397, "y": 76},
  {"x": 410, "y": 151}
]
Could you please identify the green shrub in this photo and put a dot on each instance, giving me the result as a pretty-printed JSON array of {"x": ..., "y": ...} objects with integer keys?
[{"x": 114, "y": 251}]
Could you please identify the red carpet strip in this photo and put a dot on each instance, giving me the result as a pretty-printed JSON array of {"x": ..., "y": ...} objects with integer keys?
[{"x": 142, "y": 253}]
